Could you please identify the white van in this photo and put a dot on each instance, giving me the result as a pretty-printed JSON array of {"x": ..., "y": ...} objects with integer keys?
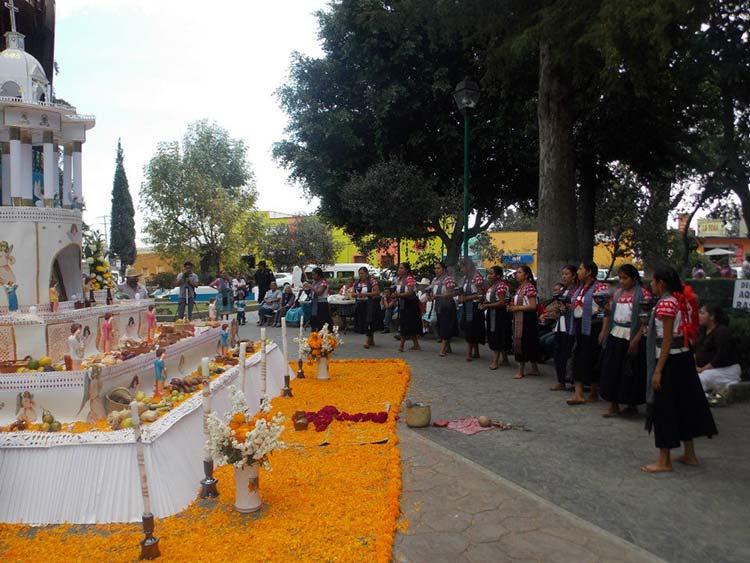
[{"x": 340, "y": 272}]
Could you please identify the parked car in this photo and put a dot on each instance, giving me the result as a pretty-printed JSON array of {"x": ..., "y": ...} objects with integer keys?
[
  {"x": 340, "y": 271},
  {"x": 283, "y": 278},
  {"x": 203, "y": 293}
]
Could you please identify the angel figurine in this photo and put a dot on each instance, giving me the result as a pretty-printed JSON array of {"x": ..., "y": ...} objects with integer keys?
[
  {"x": 76, "y": 346},
  {"x": 92, "y": 389}
]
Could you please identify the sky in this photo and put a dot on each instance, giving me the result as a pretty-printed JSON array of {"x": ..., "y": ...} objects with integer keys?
[{"x": 147, "y": 68}]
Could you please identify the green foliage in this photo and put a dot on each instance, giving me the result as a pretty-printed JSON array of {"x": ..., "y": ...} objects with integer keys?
[
  {"x": 487, "y": 250},
  {"x": 304, "y": 240},
  {"x": 424, "y": 265},
  {"x": 739, "y": 323},
  {"x": 515, "y": 219},
  {"x": 122, "y": 217},
  {"x": 198, "y": 198},
  {"x": 714, "y": 291},
  {"x": 166, "y": 280}
]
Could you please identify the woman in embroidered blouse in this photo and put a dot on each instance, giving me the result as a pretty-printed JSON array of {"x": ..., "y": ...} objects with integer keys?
[
  {"x": 472, "y": 320},
  {"x": 321, "y": 314},
  {"x": 586, "y": 342},
  {"x": 677, "y": 407},
  {"x": 496, "y": 316},
  {"x": 525, "y": 322},
  {"x": 623, "y": 367},
  {"x": 410, "y": 318},
  {"x": 441, "y": 291},
  {"x": 563, "y": 313},
  {"x": 367, "y": 317}
]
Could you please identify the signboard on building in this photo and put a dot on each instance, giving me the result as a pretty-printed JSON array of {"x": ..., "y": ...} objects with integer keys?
[
  {"x": 711, "y": 228},
  {"x": 741, "y": 298},
  {"x": 518, "y": 258}
]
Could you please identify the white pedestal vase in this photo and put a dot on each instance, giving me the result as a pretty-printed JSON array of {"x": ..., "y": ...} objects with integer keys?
[
  {"x": 323, "y": 367},
  {"x": 247, "y": 489}
]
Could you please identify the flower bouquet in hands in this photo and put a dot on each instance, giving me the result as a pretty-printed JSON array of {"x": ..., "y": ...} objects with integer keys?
[
  {"x": 319, "y": 344},
  {"x": 243, "y": 439}
]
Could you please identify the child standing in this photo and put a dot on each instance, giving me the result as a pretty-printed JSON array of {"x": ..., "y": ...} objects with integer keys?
[{"x": 239, "y": 306}]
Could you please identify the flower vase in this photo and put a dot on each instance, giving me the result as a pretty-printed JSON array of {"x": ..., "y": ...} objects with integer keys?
[
  {"x": 323, "y": 367},
  {"x": 246, "y": 489}
]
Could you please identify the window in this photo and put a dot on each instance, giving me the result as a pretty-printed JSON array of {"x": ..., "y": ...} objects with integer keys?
[{"x": 10, "y": 89}]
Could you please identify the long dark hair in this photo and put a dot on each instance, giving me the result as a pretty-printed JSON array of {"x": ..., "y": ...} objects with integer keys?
[
  {"x": 318, "y": 270},
  {"x": 720, "y": 316},
  {"x": 670, "y": 277},
  {"x": 630, "y": 271},
  {"x": 529, "y": 274},
  {"x": 364, "y": 269},
  {"x": 498, "y": 271},
  {"x": 406, "y": 267},
  {"x": 572, "y": 269},
  {"x": 592, "y": 268}
]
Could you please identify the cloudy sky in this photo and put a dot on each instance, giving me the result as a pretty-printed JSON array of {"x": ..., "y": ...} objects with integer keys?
[{"x": 146, "y": 68}]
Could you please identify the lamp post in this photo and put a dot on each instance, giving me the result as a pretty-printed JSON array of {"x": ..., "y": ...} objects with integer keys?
[{"x": 466, "y": 95}]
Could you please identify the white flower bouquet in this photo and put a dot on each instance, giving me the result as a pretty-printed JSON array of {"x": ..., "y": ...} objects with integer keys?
[{"x": 243, "y": 439}]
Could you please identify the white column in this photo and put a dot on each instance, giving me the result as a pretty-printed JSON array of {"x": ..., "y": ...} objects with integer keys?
[
  {"x": 50, "y": 168},
  {"x": 67, "y": 176},
  {"x": 27, "y": 180},
  {"x": 77, "y": 174},
  {"x": 15, "y": 165},
  {"x": 6, "y": 175}
]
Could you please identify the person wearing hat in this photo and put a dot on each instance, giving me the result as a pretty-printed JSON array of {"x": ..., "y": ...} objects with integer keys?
[{"x": 131, "y": 287}]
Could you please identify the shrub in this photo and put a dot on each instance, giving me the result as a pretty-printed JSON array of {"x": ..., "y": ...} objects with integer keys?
[
  {"x": 165, "y": 280},
  {"x": 716, "y": 291},
  {"x": 739, "y": 323}
]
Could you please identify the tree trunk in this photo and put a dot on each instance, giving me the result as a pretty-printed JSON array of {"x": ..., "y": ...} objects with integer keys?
[
  {"x": 654, "y": 226},
  {"x": 557, "y": 241},
  {"x": 586, "y": 212}
]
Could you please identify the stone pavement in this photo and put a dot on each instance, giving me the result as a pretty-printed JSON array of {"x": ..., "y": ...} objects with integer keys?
[
  {"x": 458, "y": 511},
  {"x": 581, "y": 462}
]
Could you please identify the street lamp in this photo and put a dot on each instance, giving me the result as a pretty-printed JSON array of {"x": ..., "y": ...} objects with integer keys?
[{"x": 466, "y": 95}]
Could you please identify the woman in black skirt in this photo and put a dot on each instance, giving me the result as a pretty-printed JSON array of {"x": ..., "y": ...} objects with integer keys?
[
  {"x": 441, "y": 292},
  {"x": 321, "y": 314},
  {"x": 472, "y": 319},
  {"x": 497, "y": 318},
  {"x": 564, "y": 317},
  {"x": 525, "y": 322},
  {"x": 410, "y": 317},
  {"x": 623, "y": 366},
  {"x": 367, "y": 314},
  {"x": 584, "y": 334},
  {"x": 677, "y": 407}
]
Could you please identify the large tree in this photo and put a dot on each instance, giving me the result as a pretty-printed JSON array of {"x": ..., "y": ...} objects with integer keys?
[
  {"x": 198, "y": 198},
  {"x": 303, "y": 240},
  {"x": 122, "y": 217},
  {"x": 380, "y": 101}
]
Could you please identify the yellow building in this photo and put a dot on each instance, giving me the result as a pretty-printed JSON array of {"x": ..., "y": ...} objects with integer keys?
[
  {"x": 525, "y": 242},
  {"x": 149, "y": 263}
]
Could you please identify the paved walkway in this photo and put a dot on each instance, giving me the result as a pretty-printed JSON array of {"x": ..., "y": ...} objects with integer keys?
[
  {"x": 581, "y": 462},
  {"x": 460, "y": 512}
]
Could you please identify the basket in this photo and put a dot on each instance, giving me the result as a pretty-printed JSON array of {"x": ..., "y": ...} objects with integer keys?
[
  {"x": 418, "y": 416},
  {"x": 12, "y": 366},
  {"x": 119, "y": 392}
]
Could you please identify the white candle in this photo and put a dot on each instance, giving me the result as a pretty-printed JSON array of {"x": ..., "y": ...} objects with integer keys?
[
  {"x": 243, "y": 352},
  {"x": 204, "y": 366},
  {"x": 263, "y": 334},
  {"x": 263, "y": 363},
  {"x": 301, "y": 335},
  {"x": 140, "y": 457},
  {"x": 283, "y": 340}
]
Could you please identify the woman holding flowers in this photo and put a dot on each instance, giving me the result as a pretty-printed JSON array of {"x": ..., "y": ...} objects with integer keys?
[{"x": 472, "y": 319}]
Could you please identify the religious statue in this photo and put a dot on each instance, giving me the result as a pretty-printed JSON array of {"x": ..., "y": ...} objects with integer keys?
[
  {"x": 6, "y": 261},
  {"x": 92, "y": 388},
  {"x": 160, "y": 372},
  {"x": 10, "y": 291},
  {"x": 76, "y": 346},
  {"x": 107, "y": 333},
  {"x": 151, "y": 323},
  {"x": 54, "y": 297}
]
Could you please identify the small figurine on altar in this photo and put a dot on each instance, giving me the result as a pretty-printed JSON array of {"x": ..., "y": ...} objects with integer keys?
[
  {"x": 76, "y": 346},
  {"x": 131, "y": 332},
  {"x": 151, "y": 323},
  {"x": 10, "y": 291},
  {"x": 212, "y": 309},
  {"x": 54, "y": 297},
  {"x": 224, "y": 339},
  {"x": 26, "y": 407},
  {"x": 92, "y": 389},
  {"x": 107, "y": 333},
  {"x": 160, "y": 372}
]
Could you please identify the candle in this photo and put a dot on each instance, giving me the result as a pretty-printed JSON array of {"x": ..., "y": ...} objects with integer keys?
[
  {"x": 243, "y": 352},
  {"x": 204, "y": 367},
  {"x": 140, "y": 457},
  {"x": 263, "y": 334},
  {"x": 263, "y": 363},
  {"x": 283, "y": 340},
  {"x": 301, "y": 334}
]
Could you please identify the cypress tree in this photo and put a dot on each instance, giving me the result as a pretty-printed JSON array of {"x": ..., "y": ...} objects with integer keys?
[{"x": 122, "y": 226}]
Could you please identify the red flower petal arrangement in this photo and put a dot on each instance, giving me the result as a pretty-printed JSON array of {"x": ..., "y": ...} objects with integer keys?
[{"x": 323, "y": 418}]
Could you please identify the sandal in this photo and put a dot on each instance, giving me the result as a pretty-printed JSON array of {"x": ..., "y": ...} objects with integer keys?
[
  {"x": 574, "y": 402},
  {"x": 493, "y": 368},
  {"x": 611, "y": 414}
]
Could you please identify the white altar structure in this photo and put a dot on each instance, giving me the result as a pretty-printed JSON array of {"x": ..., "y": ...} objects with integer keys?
[{"x": 49, "y": 477}]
